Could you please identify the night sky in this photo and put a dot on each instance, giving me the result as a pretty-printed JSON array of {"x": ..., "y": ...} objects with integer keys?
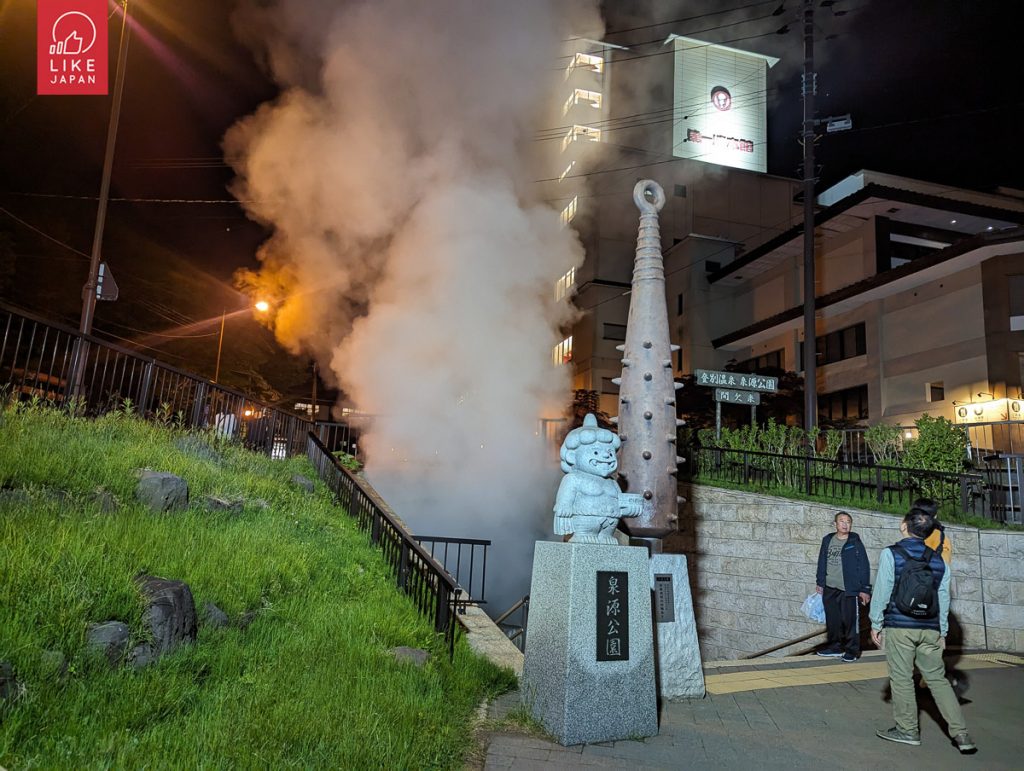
[{"x": 932, "y": 87}]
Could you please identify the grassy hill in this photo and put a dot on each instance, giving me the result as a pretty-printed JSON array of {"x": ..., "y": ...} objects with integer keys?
[{"x": 310, "y": 682}]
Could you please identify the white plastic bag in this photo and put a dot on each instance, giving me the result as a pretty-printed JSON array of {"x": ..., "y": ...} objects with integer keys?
[{"x": 813, "y": 608}]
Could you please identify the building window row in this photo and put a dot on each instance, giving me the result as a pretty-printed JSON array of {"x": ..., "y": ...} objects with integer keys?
[
  {"x": 568, "y": 169},
  {"x": 839, "y": 345},
  {"x": 582, "y": 95},
  {"x": 562, "y": 353},
  {"x": 848, "y": 404},
  {"x": 564, "y": 285},
  {"x": 578, "y": 132},
  {"x": 614, "y": 331},
  {"x": 588, "y": 62},
  {"x": 771, "y": 360},
  {"x": 569, "y": 211}
]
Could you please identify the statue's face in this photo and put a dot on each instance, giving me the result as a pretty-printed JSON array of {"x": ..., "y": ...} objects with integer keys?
[{"x": 598, "y": 459}]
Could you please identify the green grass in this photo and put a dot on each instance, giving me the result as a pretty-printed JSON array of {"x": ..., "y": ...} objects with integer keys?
[{"x": 309, "y": 683}]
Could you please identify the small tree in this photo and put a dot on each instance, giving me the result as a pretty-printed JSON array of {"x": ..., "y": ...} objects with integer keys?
[
  {"x": 940, "y": 446},
  {"x": 884, "y": 441}
]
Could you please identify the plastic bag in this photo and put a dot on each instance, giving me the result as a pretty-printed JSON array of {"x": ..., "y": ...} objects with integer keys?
[{"x": 813, "y": 608}]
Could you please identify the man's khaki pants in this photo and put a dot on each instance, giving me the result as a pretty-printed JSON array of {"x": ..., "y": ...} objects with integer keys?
[{"x": 903, "y": 649}]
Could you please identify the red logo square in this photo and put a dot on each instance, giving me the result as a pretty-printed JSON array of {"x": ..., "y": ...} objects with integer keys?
[{"x": 72, "y": 47}]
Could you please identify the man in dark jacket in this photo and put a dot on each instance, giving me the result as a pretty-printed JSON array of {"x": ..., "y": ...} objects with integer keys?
[
  {"x": 844, "y": 577},
  {"x": 909, "y": 640}
]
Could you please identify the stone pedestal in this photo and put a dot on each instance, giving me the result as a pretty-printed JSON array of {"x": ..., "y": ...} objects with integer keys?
[
  {"x": 680, "y": 670},
  {"x": 589, "y": 670}
]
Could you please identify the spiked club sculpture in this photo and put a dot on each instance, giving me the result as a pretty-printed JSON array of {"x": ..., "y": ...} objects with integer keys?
[{"x": 647, "y": 409}]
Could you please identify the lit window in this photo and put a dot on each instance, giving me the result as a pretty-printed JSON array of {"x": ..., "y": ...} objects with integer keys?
[
  {"x": 564, "y": 284},
  {"x": 569, "y": 211},
  {"x": 584, "y": 61},
  {"x": 562, "y": 353},
  {"x": 581, "y": 132},
  {"x": 582, "y": 95},
  {"x": 566, "y": 172}
]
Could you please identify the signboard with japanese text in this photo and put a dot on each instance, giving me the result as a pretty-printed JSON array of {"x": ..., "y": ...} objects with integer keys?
[
  {"x": 742, "y": 380},
  {"x": 664, "y": 599},
  {"x": 726, "y": 396},
  {"x": 612, "y": 615}
]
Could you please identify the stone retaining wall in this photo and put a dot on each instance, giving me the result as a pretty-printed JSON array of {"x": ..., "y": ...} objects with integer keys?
[{"x": 752, "y": 561}]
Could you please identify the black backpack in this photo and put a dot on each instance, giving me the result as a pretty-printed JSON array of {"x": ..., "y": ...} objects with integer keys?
[{"x": 915, "y": 595}]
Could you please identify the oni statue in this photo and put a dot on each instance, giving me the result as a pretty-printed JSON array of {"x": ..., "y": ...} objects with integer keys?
[{"x": 589, "y": 503}]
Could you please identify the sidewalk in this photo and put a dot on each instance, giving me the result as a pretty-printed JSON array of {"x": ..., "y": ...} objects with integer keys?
[{"x": 798, "y": 713}]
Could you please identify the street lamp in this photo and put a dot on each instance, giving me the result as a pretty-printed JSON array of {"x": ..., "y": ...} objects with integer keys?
[{"x": 261, "y": 306}]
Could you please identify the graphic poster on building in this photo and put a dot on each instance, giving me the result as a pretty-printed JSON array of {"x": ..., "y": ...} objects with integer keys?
[{"x": 612, "y": 615}]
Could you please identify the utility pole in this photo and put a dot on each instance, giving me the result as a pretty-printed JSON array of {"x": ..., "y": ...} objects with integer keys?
[
  {"x": 809, "y": 84},
  {"x": 81, "y": 354},
  {"x": 89, "y": 290}
]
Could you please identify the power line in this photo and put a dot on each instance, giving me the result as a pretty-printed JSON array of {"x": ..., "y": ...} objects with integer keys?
[{"x": 43, "y": 234}]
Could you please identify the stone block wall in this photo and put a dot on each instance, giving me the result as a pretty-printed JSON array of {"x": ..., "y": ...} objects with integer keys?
[{"x": 753, "y": 559}]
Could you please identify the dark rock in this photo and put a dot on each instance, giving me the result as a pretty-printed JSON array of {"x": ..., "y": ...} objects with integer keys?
[
  {"x": 170, "y": 614},
  {"x": 214, "y": 503},
  {"x": 417, "y": 656},
  {"x": 105, "y": 501},
  {"x": 109, "y": 638},
  {"x": 9, "y": 686},
  {"x": 197, "y": 448},
  {"x": 58, "y": 496},
  {"x": 54, "y": 664},
  {"x": 161, "y": 491},
  {"x": 260, "y": 504},
  {"x": 300, "y": 481},
  {"x": 247, "y": 618},
  {"x": 14, "y": 496},
  {"x": 141, "y": 656},
  {"x": 214, "y": 616}
]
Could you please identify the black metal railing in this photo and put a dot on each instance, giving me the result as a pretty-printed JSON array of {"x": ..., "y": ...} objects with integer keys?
[
  {"x": 56, "y": 364},
  {"x": 513, "y": 622},
  {"x": 891, "y": 487},
  {"x": 465, "y": 559},
  {"x": 434, "y": 592}
]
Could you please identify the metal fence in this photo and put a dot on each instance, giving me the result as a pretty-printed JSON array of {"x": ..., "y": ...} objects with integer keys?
[
  {"x": 983, "y": 439},
  {"x": 465, "y": 559},
  {"x": 54, "y": 363},
  {"x": 434, "y": 592},
  {"x": 1004, "y": 483},
  {"x": 859, "y": 483}
]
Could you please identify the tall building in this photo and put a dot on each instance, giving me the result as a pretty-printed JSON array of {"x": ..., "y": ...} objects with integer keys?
[
  {"x": 920, "y": 287},
  {"x": 691, "y": 116}
]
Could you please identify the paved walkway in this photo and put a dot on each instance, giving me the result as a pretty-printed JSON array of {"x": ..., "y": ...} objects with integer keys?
[{"x": 800, "y": 713}]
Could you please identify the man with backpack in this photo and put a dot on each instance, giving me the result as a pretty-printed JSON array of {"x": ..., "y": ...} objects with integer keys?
[{"x": 911, "y": 604}]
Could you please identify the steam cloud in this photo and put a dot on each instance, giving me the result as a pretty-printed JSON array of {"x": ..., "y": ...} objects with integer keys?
[{"x": 407, "y": 251}]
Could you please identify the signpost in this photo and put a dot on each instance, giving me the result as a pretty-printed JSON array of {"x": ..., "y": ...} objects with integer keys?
[{"x": 735, "y": 388}]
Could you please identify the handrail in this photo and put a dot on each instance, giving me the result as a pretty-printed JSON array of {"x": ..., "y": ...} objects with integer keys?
[
  {"x": 513, "y": 609},
  {"x": 432, "y": 588},
  {"x": 786, "y": 644}
]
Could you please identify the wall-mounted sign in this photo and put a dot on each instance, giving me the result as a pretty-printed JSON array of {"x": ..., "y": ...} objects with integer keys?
[
  {"x": 742, "y": 380},
  {"x": 612, "y": 615},
  {"x": 664, "y": 599},
  {"x": 990, "y": 411},
  {"x": 720, "y": 140},
  {"x": 726, "y": 396},
  {"x": 720, "y": 110}
]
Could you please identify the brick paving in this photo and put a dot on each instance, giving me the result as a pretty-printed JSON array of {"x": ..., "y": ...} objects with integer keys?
[{"x": 822, "y": 723}]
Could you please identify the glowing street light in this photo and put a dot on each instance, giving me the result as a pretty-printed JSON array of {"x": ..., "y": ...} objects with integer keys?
[{"x": 261, "y": 306}]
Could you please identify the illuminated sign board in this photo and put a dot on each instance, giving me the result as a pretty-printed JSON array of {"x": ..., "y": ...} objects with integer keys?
[{"x": 720, "y": 105}]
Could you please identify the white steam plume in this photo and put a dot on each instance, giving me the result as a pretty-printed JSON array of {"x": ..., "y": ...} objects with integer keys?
[{"x": 407, "y": 251}]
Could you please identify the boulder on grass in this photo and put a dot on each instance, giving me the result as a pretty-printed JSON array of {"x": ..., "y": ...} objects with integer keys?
[
  {"x": 8, "y": 684},
  {"x": 170, "y": 614},
  {"x": 306, "y": 484},
  {"x": 109, "y": 638},
  {"x": 214, "y": 616},
  {"x": 417, "y": 656},
  {"x": 216, "y": 503},
  {"x": 197, "y": 448},
  {"x": 161, "y": 491},
  {"x": 141, "y": 655}
]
